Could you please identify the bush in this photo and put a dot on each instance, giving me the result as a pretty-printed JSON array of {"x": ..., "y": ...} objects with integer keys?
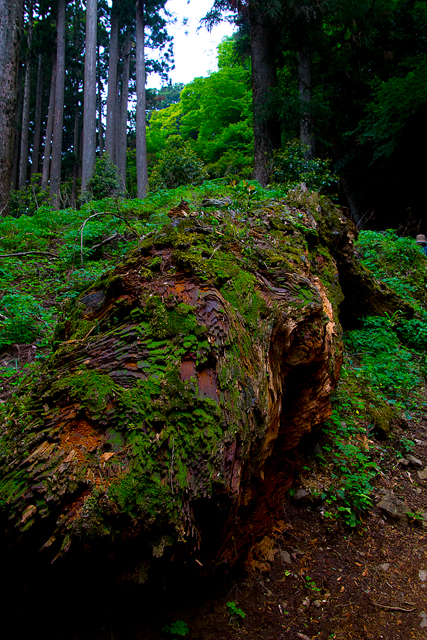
[
  {"x": 178, "y": 165},
  {"x": 20, "y": 317},
  {"x": 290, "y": 167},
  {"x": 27, "y": 200},
  {"x": 104, "y": 182}
]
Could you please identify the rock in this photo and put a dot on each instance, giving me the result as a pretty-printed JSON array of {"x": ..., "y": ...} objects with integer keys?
[
  {"x": 414, "y": 461},
  {"x": 216, "y": 202},
  {"x": 393, "y": 507},
  {"x": 301, "y": 636},
  {"x": 385, "y": 566},
  {"x": 318, "y": 451},
  {"x": 403, "y": 462},
  {"x": 423, "y": 623},
  {"x": 286, "y": 557},
  {"x": 306, "y": 602},
  {"x": 317, "y": 603},
  {"x": 422, "y": 575},
  {"x": 422, "y": 474},
  {"x": 301, "y": 495}
]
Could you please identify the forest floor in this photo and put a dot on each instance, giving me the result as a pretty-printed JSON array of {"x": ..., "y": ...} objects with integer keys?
[{"x": 317, "y": 578}]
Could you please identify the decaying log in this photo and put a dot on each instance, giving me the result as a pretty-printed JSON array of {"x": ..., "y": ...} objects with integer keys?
[{"x": 181, "y": 384}]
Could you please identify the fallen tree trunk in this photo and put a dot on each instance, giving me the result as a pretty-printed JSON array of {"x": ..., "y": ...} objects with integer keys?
[{"x": 181, "y": 384}]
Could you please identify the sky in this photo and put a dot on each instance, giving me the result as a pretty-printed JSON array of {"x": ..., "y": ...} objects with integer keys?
[{"x": 194, "y": 51}]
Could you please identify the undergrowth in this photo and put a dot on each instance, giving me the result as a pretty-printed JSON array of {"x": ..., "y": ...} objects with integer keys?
[{"x": 382, "y": 381}]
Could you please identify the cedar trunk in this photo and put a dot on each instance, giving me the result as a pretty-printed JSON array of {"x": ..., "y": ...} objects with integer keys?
[
  {"x": 99, "y": 98},
  {"x": 306, "y": 122},
  {"x": 10, "y": 25},
  {"x": 112, "y": 102},
  {"x": 264, "y": 80},
  {"x": 23, "y": 158},
  {"x": 37, "y": 118},
  {"x": 55, "y": 169},
  {"x": 123, "y": 121},
  {"x": 49, "y": 129},
  {"x": 141, "y": 146},
  {"x": 89, "y": 105}
]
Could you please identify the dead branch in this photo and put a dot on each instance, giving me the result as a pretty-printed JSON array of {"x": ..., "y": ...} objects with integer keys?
[
  {"x": 385, "y": 606},
  {"x": 28, "y": 253}
]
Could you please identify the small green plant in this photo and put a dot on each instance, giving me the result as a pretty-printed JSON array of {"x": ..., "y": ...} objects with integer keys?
[
  {"x": 234, "y": 611},
  {"x": 178, "y": 628},
  {"x": 310, "y": 583},
  {"x": 416, "y": 518},
  {"x": 407, "y": 444}
]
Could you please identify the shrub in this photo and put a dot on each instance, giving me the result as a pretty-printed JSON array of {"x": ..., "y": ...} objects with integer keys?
[
  {"x": 178, "y": 165},
  {"x": 27, "y": 200},
  {"x": 104, "y": 182},
  {"x": 290, "y": 167}
]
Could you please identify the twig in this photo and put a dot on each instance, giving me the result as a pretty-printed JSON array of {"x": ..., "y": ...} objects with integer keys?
[
  {"x": 384, "y": 606},
  {"x": 28, "y": 253},
  {"x": 102, "y": 213}
]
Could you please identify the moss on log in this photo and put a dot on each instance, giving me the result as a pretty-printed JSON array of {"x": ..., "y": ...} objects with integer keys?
[{"x": 182, "y": 382}]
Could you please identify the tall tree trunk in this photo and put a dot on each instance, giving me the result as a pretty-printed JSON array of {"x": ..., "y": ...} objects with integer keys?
[
  {"x": 37, "y": 118},
  {"x": 10, "y": 27},
  {"x": 141, "y": 146},
  {"x": 89, "y": 96},
  {"x": 110, "y": 134},
  {"x": 55, "y": 170},
  {"x": 343, "y": 184},
  {"x": 49, "y": 129},
  {"x": 264, "y": 80},
  {"x": 99, "y": 98},
  {"x": 306, "y": 122},
  {"x": 123, "y": 122},
  {"x": 23, "y": 158},
  {"x": 76, "y": 155},
  {"x": 17, "y": 136}
]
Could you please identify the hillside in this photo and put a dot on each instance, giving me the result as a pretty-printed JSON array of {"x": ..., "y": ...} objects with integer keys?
[{"x": 213, "y": 379}]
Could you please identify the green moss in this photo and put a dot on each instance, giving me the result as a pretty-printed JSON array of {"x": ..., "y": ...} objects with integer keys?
[{"x": 90, "y": 388}]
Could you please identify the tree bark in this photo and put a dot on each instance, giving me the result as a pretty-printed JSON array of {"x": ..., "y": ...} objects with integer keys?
[
  {"x": 10, "y": 25},
  {"x": 264, "y": 80},
  {"x": 23, "y": 158},
  {"x": 123, "y": 121},
  {"x": 17, "y": 136},
  {"x": 306, "y": 122},
  {"x": 49, "y": 129},
  {"x": 37, "y": 118},
  {"x": 112, "y": 102},
  {"x": 89, "y": 105},
  {"x": 141, "y": 146},
  {"x": 76, "y": 155},
  {"x": 99, "y": 98},
  {"x": 55, "y": 170}
]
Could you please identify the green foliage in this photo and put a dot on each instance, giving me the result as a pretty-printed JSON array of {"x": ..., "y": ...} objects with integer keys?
[
  {"x": 20, "y": 315},
  {"x": 104, "y": 182},
  {"x": 397, "y": 261},
  {"x": 391, "y": 367},
  {"x": 290, "y": 167},
  {"x": 178, "y": 628},
  {"x": 27, "y": 200},
  {"x": 235, "y": 611},
  {"x": 178, "y": 165},
  {"x": 394, "y": 102},
  {"x": 214, "y": 116}
]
